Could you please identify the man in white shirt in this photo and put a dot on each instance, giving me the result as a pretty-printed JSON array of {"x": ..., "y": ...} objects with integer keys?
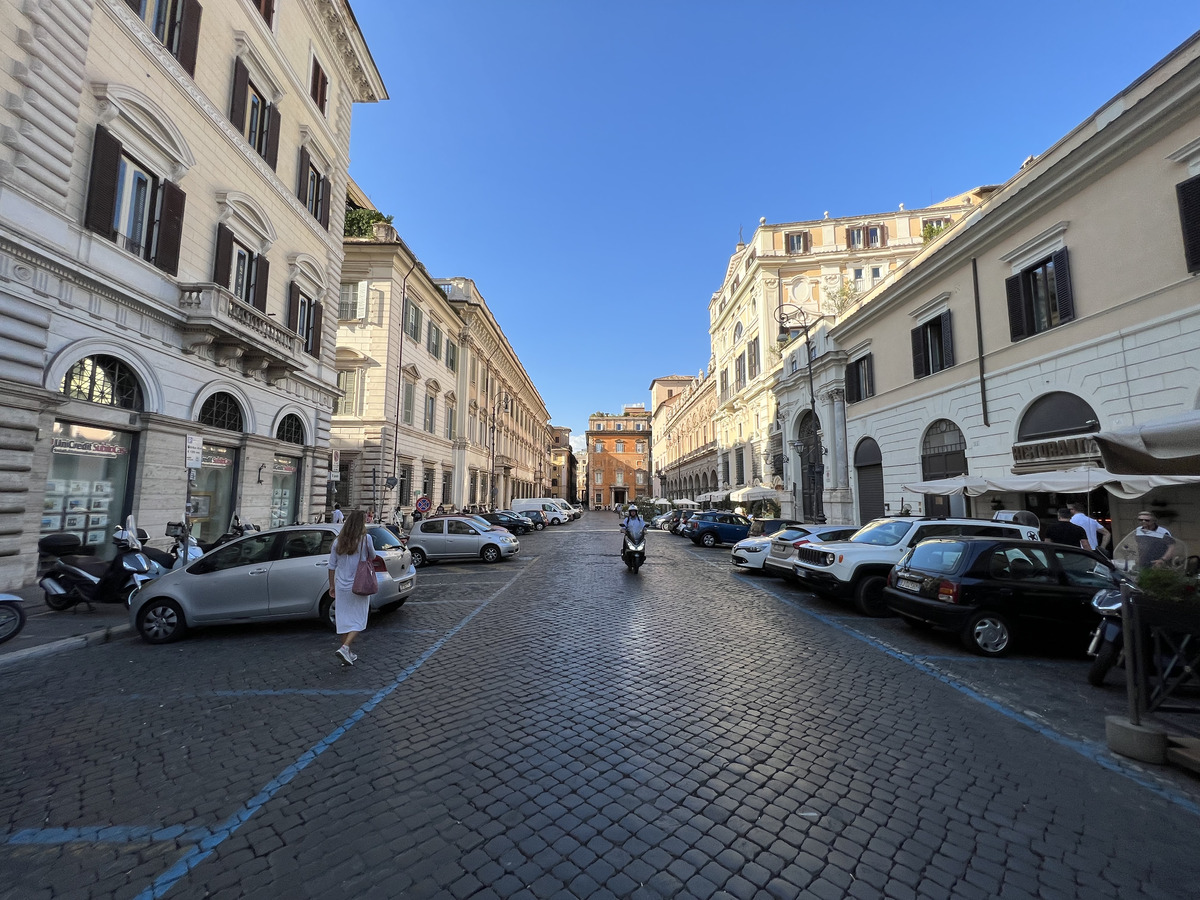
[
  {"x": 338, "y": 516},
  {"x": 1097, "y": 533}
]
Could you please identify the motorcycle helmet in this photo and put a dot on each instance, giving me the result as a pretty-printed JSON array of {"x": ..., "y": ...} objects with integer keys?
[{"x": 632, "y": 510}]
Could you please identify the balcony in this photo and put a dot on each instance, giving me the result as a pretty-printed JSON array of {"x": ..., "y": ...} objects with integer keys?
[
  {"x": 505, "y": 463},
  {"x": 235, "y": 335}
]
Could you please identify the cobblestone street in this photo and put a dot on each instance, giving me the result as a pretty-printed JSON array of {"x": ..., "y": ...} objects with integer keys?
[{"x": 555, "y": 726}]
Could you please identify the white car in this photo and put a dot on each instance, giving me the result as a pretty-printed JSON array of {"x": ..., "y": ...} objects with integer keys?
[{"x": 784, "y": 544}]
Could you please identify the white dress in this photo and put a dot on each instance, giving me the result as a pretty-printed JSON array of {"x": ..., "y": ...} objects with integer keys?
[{"x": 350, "y": 609}]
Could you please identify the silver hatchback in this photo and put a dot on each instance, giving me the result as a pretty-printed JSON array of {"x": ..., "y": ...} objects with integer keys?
[
  {"x": 784, "y": 544},
  {"x": 265, "y": 576},
  {"x": 460, "y": 537}
]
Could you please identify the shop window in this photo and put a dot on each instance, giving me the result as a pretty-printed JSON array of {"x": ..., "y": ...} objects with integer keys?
[
  {"x": 222, "y": 411},
  {"x": 933, "y": 346},
  {"x": 290, "y": 430},
  {"x": 1040, "y": 297},
  {"x": 176, "y": 24},
  {"x": 305, "y": 318},
  {"x": 285, "y": 493},
  {"x": 105, "y": 380},
  {"x": 87, "y": 484}
]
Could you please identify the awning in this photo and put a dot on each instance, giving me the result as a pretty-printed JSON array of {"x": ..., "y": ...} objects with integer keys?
[
  {"x": 1166, "y": 447},
  {"x": 1072, "y": 481},
  {"x": 686, "y": 502},
  {"x": 750, "y": 494}
]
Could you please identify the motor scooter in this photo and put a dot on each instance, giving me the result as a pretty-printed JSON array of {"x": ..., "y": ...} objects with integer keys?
[
  {"x": 237, "y": 529},
  {"x": 633, "y": 546},
  {"x": 74, "y": 579},
  {"x": 12, "y": 616},
  {"x": 184, "y": 549}
]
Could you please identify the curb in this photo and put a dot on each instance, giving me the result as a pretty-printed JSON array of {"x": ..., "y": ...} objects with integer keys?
[{"x": 103, "y": 636}]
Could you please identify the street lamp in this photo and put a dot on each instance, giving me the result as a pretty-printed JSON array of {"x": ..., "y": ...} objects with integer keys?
[
  {"x": 786, "y": 314},
  {"x": 505, "y": 400}
]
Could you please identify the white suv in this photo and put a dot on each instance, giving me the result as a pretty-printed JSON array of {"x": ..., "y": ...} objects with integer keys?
[{"x": 859, "y": 567}]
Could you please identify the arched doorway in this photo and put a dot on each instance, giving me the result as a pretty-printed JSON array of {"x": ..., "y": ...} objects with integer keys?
[
  {"x": 810, "y": 468},
  {"x": 868, "y": 464},
  {"x": 943, "y": 455}
]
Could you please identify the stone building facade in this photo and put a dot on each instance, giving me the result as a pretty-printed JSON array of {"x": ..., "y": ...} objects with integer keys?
[
  {"x": 618, "y": 466},
  {"x": 685, "y": 450}
]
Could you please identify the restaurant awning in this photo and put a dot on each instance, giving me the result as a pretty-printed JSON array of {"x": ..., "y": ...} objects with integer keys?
[
  {"x": 750, "y": 494},
  {"x": 1071, "y": 481},
  {"x": 1166, "y": 447}
]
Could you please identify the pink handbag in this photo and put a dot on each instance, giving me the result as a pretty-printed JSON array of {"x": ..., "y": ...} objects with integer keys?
[{"x": 364, "y": 576}]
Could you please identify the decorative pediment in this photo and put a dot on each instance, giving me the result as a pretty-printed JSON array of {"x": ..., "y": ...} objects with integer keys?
[
  {"x": 307, "y": 270},
  {"x": 242, "y": 209},
  {"x": 142, "y": 124},
  {"x": 432, "y": 386},
  {"x": 450, "y": 398},
  {"x": 412, "y": 372}
]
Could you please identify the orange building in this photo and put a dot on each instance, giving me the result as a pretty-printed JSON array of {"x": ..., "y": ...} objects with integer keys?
[{"x": 618, "y": 447}]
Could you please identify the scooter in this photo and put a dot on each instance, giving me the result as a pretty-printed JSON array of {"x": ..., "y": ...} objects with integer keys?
[
  {"x": 237, "y": 529},
  {"x": 1108, "y": 641},
  {"x": 633, "y": 546},
  {"x": 12, "y": 616},
  {"x": 73, "y": 579},
  {"x": 184, "y": 549}
]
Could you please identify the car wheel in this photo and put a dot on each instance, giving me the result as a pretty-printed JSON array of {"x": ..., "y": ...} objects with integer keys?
[
  {"x": 1103, "y": 663},
  {"x": 418, "y": 556},
  {"x": 490, "y": 553},
  {"x": 868, "y": 596},
  {"x": 161, "y": 621},
  {"x": 393, "y": 606},
  {"x": 539, "y": 525},
  {"x": 988, "y": 634},
  {"x": 708, "y": 539},
  {"x": 328, "y": 611}
]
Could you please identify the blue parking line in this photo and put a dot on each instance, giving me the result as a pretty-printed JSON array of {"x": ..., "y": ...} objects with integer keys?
[
  {"x": 1089, "y": 750},
  {"x": 207, "y": 844}
]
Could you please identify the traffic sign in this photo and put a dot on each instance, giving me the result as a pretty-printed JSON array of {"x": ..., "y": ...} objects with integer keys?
[
  {"x": 194, "y": 457},
  {"x": 422, "y": 505},
  {"x": 335, "y": 465}
]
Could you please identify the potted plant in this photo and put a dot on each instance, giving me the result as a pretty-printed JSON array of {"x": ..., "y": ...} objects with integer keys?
[{"x": 1168, "y": 599}]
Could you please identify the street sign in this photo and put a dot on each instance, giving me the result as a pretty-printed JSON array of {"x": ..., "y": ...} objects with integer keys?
[
  {"x": 335, "y": 465},
  {"x": 422, "y": 505},
  {"x": 194, "y": 457}
]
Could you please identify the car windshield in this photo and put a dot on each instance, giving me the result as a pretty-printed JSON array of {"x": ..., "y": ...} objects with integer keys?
[
  {"x": 383, "y": 539},
  {"x": 789, "y": 534},
  {"x": 881, "y": 533},
  {"x": 936, "y": 557}
]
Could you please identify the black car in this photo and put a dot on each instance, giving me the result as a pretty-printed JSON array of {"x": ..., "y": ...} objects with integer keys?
[
  {"x": 537, "y": 517},
  {"x": 514, "y": 523},
  {"x": 991, "y": 590}
]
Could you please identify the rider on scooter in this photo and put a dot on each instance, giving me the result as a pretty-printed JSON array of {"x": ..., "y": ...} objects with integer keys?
[{"x": 634, "y": 518}]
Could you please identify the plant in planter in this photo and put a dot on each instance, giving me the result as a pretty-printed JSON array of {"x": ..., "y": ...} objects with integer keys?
[{"x": 1167, "y": 585}]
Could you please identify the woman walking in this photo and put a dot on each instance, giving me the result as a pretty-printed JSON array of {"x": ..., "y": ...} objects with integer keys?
[{"x": 350, "y": 609}]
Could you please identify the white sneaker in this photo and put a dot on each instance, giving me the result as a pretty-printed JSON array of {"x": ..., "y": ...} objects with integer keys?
[
  {"x": 347, "y": 657},
  {"x": 353, "y": 657}
]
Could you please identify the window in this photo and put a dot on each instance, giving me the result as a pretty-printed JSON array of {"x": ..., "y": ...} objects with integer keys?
[
  {"x": 740, "y": 464},
  {"x": 620, "y": 426},
  {"x": 858, "y": 279},
  {"x": 620, "y": 477},
  {"x": 474, "y": 370},
  {"x": 103, "y": 379},
  {"x": 448, "y": 492},
  {"x": 619, "y": 447},
  {"x": 433, "y": 341},
  {"x": 598, "y": 447},
  {"x": 410, "y": 400},
  {"x": 252, "y": 113},
  {"x": 430, "y": 412},
  {"x": 799, "y": 242},
  {"x": 1188, "y": 195},
  {"x": 129, "y": 204},
  {"x": 266, "y": 7},
  {"x": 318, "y": 87},
  {"x": 176, "y": 24},
  {"x": 932, "y": 346},
  {"x": 739, "y": 372},
  {"x": 860, "y": 379},
  {"x": 451, "y": 355},
  {"x": 876, "y": 273},
  {"x": 599, "y": 426},
  {"x": 598, "y": 478},
  {"x": 347, "y": 404},
  {"x": 1040, "y": 297},
  {"x": 304, "y": 316},
  {"x": 352, "y": 304},
  {"x": 752, "y": 358},
  {"x": 412, "y": 320},
  {"x": 641, "y": 477},
  {"x": 313, "y": 188},
  {"x": 427, "y": 484},
  {"x": 222, "y": 411},
  {"x": 854, "y": 238},
  {"x": 240, "y": 269},
  {"x": 638, "y": 427},
  {"x": 640, "y": 447},
  {"x": 874, "y": 235},
  {"x": 404, "y": 488},
  {"x": 450, "y": 423},
  {"x": 290, "y": 430}
]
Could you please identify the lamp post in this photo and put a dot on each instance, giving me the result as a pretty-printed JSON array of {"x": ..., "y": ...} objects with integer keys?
[
  {"x": 786, "y": 313},
  {"x": 501, "y": 399}
]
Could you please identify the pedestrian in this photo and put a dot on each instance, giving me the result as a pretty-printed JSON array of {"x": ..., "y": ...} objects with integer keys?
[
  {"x": 1156, "y": 546},
  {"x": 350, "y": 609},
  {"x": 1097, "y": 534},
  {"x": 338, "y": 516},
  {"x": 1064, "y": 531}
]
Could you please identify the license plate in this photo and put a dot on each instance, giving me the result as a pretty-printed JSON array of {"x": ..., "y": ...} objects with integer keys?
[
  {"x": 801, "y": 573},
  {"x": 907, "y": 584}
]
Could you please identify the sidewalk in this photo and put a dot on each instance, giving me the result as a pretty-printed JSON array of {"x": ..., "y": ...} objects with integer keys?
[{"x": 47, "y": 631}]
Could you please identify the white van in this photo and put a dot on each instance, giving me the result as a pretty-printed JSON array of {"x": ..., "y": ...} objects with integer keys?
[
  {"x": 567, "y": 507},
  {"x": 553, "y": 512}
]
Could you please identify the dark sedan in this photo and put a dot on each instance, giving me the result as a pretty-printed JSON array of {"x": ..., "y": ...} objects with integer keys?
[
  {"x": 992, "y": 590},
  {"x": 513, "y": 522}
]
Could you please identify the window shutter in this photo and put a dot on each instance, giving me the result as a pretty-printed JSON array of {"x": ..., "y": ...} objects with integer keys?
[
  {"x": 1014, "y": 290},
  {"x": 189, "y": 35},
  {"x": 170, "y": 228},
  {"x": 806, "y": 242},
  {"x": 237, "y": 103},
  {"x": 868, "y": 385},
  {"x": 1188, "y": 194},
  {"x": 947, "y": 341},
  {"x": 1062, "y": 286},
  {"x": 853, "y": 373},
  {"x": 262, "y": 273},
  {"x": 274, "y": 122},
  {"x": 102, "y": 187},
  {"x": 848, "y": 238},
  {"x": 883, "y": 234},
  {"x": 135, "y": 5},
  {"x": 318, "y": 310},
  {"x": 920, "y": 370},
  {"x": 302, "y": 181},
  {"x": 293, "y": 307},
  {"x": 325, "y": 203},
  {"x": 224, "y": 258}
]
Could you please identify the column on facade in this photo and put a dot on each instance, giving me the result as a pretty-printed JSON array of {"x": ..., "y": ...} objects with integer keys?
[{"x": 841, "y": 450}]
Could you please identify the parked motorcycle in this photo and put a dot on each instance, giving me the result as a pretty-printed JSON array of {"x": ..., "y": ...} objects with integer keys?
[
  {"x": 183, "y": 550},
  {"x": 12, "y": 616},
  {"x": 633, "y": 546},
  {"x": 237, "y": 529},
  {"x": 73, "y": 579}
]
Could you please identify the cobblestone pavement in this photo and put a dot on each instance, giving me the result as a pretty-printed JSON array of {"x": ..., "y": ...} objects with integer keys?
[{"x": 554, "y": 726}]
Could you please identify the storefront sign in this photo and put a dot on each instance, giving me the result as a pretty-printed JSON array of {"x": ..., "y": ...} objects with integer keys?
[
  {"x": 82, "y": 447},
  {"x": 217, "y": 457},
  {"x": 194, "y": 455},
  {"x": 1062, "y": 448}
]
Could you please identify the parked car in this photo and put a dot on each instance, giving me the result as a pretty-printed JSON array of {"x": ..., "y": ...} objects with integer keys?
[
  {"x": 684, "y": 515},
  {"x": 515, "y": 523},
  {"x": 761, "y": 527},
  {"x": 989, "y": 591},
  {"x": 859, "y": 567},
  {"x": 264, "y": 576},
  {"x": 662, "y": 521},
  {"x": 713, "y": 527},
  {"x": 459, "y": 537},
  {"x": 783, "y": 544},
  {"x": 578, "y": 507}
]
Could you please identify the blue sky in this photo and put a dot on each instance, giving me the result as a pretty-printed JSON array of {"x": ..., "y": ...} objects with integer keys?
[{"x": 589, "y": 164}]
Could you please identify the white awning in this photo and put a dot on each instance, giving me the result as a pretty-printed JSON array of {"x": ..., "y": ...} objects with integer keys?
[
  {"x": 686, "y": 502},
  {"x": 1072, "y": 481},
  {"x": 750, "y": 494},
  {"x": 1166, "y": 447}
]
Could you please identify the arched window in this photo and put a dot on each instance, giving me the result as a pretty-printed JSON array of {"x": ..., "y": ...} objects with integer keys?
[
  {"x": 737, "y": 334},
  {"x": 868, "y": 463},
  {"x": 103, "y": 379},
  {"x": 943, "y": 451},
  {"x": 222, "y": 411},
  {"x": 1057, "y": 414},
  {"x": 290, "y": 430}
]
